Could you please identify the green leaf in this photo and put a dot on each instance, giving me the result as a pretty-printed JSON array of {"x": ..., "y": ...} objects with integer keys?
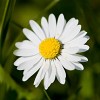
[
  {"x": 6, "y": 79},
  {"x": 6, "y": 10},
  {"x": 87, "y": 84}
]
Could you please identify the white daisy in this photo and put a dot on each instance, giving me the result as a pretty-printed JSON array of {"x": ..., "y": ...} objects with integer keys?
[{"x": 50, "y": 49}]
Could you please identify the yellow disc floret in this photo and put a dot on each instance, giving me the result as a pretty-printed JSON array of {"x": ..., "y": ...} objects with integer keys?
[{"x": 49, "y": 48}]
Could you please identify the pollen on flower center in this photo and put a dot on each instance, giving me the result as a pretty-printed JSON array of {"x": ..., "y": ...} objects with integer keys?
[{"x": 49, "y": 48}]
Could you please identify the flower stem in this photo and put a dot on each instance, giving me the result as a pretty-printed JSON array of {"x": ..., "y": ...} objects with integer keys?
[
  {"x": 51, "y": 5},
  {"x": 47, "y": 95}
]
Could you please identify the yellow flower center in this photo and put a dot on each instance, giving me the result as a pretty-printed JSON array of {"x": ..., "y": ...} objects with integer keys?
[{"x": 49, "y": 48}]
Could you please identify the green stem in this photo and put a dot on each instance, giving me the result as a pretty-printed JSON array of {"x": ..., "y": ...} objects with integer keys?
[
  {"x": 51, "y": 5},
  {"x": 47, "y": 95}
]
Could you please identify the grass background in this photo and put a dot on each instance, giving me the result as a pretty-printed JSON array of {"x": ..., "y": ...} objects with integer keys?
[{"x": 80, "y": 85}]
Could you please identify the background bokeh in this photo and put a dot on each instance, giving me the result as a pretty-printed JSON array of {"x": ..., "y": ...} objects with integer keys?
[{"x": 80, "y": 85}]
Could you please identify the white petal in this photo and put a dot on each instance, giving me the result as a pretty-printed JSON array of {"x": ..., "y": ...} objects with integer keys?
[
  {"x": 38, "y": 77},
  {"x": 71, "y": 24},
  {"x": 53, "y": 72},
  {"x": 81, "y": 34},
  {"x": 82, "y": 58},
  {"x": 52, "y": 25},
  {"x": 75, "y": 48},
  {"x": 22, "y": 59},
  {"x": 33, "y": 70},
  {"x": 46, "y": 80},
  {"x": 79, "y": 41},
  {"x": 46, "y": 66},
  {"x": 71, "y": 34},
  {"x": 74, "y": 57},
  {"x": 31, "y": 36},
  {"x": 25, "y": 45},
  {"x": 61, "y": 75},
  {"x": 44, "y": 24},
  {"x": 60, "y": 25},
  {"x": 71, "y": 50},
  {"x": 66, "y": 64},
  {"x": 29, "y": 64},
  {"x": 42, "y": 72},
  {"x": 50, "y": 75},
  {"x": 37, "y": 29},
  {"x": 83, "y": 48},
  {"x": 25, "y": 52},
  {"x": 78, "y": 66},
  {"x": 26, "y": 65}
]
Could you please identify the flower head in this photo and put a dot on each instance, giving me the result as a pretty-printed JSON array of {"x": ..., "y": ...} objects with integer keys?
[{"x": 50, "y": 49}]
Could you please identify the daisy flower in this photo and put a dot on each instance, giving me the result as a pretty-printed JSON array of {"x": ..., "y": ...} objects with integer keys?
[{"x": 50, "y": 49}]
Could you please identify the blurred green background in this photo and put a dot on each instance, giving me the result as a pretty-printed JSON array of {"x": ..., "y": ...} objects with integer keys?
[{"x": 80, "y": 85}]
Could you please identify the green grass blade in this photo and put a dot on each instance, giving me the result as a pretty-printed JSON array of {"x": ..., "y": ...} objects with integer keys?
[
  {"x": 6, "y": 10},
  {"x": 6, "y": 80}
]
